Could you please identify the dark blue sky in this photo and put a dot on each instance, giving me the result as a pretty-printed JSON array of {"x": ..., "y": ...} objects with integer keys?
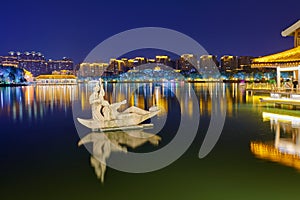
[{"x": 73, "y": 28}]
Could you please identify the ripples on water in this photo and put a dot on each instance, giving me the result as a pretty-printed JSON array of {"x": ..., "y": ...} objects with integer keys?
[
  {"x": 33, "y": 102},
  {"x": 246, "y": 129}
]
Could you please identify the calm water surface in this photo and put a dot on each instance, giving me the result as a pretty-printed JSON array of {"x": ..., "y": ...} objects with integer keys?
[{"x": 255, "y": 157}]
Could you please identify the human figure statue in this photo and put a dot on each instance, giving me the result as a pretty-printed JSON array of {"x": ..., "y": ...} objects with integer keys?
[
  {"x": 114, "y": 108},
  {"x": 95, "y": 102},
  {"x": 109, "y": 111},
  {"x": 102, "y": 109}
]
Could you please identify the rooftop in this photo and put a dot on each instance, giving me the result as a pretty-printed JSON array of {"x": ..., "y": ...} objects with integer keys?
[
  {"x": 288, "y": 57},
  {"x": 58, "y": 76},
  {"x": 291, "y": 30}
]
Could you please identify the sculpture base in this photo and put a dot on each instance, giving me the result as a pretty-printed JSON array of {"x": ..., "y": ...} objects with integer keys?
[{"x": 140, "y": 126}]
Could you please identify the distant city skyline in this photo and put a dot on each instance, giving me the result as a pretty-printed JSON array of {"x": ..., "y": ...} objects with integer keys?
[
  {"x": 35, "y": 62},
  {"x": 38, "y": 64},
  {"x": 73, "y": 29}
]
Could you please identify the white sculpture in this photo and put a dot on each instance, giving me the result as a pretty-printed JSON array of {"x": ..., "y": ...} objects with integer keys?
[{"x": 106, "y": 115}]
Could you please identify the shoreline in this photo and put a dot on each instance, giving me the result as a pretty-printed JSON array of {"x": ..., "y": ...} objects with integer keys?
[
  {"x": 14, "y": 85},
  {"x": 140, "y": 81}
]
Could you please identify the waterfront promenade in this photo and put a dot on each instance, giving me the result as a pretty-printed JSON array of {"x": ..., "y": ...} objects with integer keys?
[
  {"x": 277, "y": 96},
  {"x": 267, "y": 88}
]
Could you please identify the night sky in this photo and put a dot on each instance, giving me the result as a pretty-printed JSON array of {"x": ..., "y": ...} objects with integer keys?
[{"x": 74, "y": 28}]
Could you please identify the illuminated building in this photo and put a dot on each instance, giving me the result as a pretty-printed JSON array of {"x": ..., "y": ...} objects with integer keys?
[
  {"x": 244, "y": 62},
  {"x": 153, "y": 72},
  {"x": 140, "y": 61},
  {"x": 151, "y": 60},
  {"x": 56, "y": 80},
  {"x": 35, "y": 62},
  {"x": 58, "y": 65},
  {"x": 229, "y": 62},
  {"x": 162, "y": 59},
  {"x": 128, "y": 63},
  {"x": 116, "y": 67},
  {"x": 187, "y": 63},
  {"x": 63, "y": 72},
  {"x": 119, "y": 66},
  {"x": 92, "y": 69},
  {"x": 294, "y": 31},
  {"x": 208, "y": 61},
  {"x": 288, "y": 60},
  {"x": 10, "y": 60}
]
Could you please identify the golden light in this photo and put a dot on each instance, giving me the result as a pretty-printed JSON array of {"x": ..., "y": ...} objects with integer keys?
[
  {"x": 289, "y": 57},
  {"x": 269, "y": 152}
]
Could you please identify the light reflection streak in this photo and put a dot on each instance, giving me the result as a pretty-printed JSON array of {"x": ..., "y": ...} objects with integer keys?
[
  {"x": 285, "y": 148},
  {"x": 2, "y": 101},
  {"x": 35, "y": 101},
  {"x": 159, "y": 94},
  {"x": 32, "y": 102}
]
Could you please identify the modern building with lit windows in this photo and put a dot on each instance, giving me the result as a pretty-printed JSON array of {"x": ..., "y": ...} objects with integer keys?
[
  {"x": 187, "y": 63},
  {"x": 91, "y": 69},
  {"x": 244, "y": 62},
  {"x": 229, "y": 62},
  {"x": 162, "y": 59},
  {"x": 35, "y": 62},
  {"x": 208, "y": 61},
  {"x": 58, "y": 65}
]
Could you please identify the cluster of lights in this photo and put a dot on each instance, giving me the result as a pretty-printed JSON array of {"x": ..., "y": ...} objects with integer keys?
[
  {"x": 269, "y": 152},
  {"x": 289, "y": 58},
  {"x": 156, "y": 73},
  {"x": 9, "y": 75},
  {"x": 34, "y": 61},
  {"x": 93, "y": 65},
  {"x": 56, "y": 76}
]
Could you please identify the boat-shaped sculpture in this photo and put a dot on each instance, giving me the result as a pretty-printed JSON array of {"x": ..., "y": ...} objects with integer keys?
[{"x": 105, "y": 116}]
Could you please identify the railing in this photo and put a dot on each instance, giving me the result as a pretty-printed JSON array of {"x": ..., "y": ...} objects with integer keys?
[
  {"x": 56, "y": 82},
  {"x": 272, "y": 88},
  {"x": 260, "y": 86}
]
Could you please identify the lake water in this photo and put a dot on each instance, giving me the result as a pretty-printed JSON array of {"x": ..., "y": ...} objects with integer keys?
[{"x": 254, "y": 158}]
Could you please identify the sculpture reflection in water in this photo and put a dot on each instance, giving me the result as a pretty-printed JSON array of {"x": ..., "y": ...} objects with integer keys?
[
  {"x": 285, "y": 149},
  {"x": 117, "y": 141}
]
